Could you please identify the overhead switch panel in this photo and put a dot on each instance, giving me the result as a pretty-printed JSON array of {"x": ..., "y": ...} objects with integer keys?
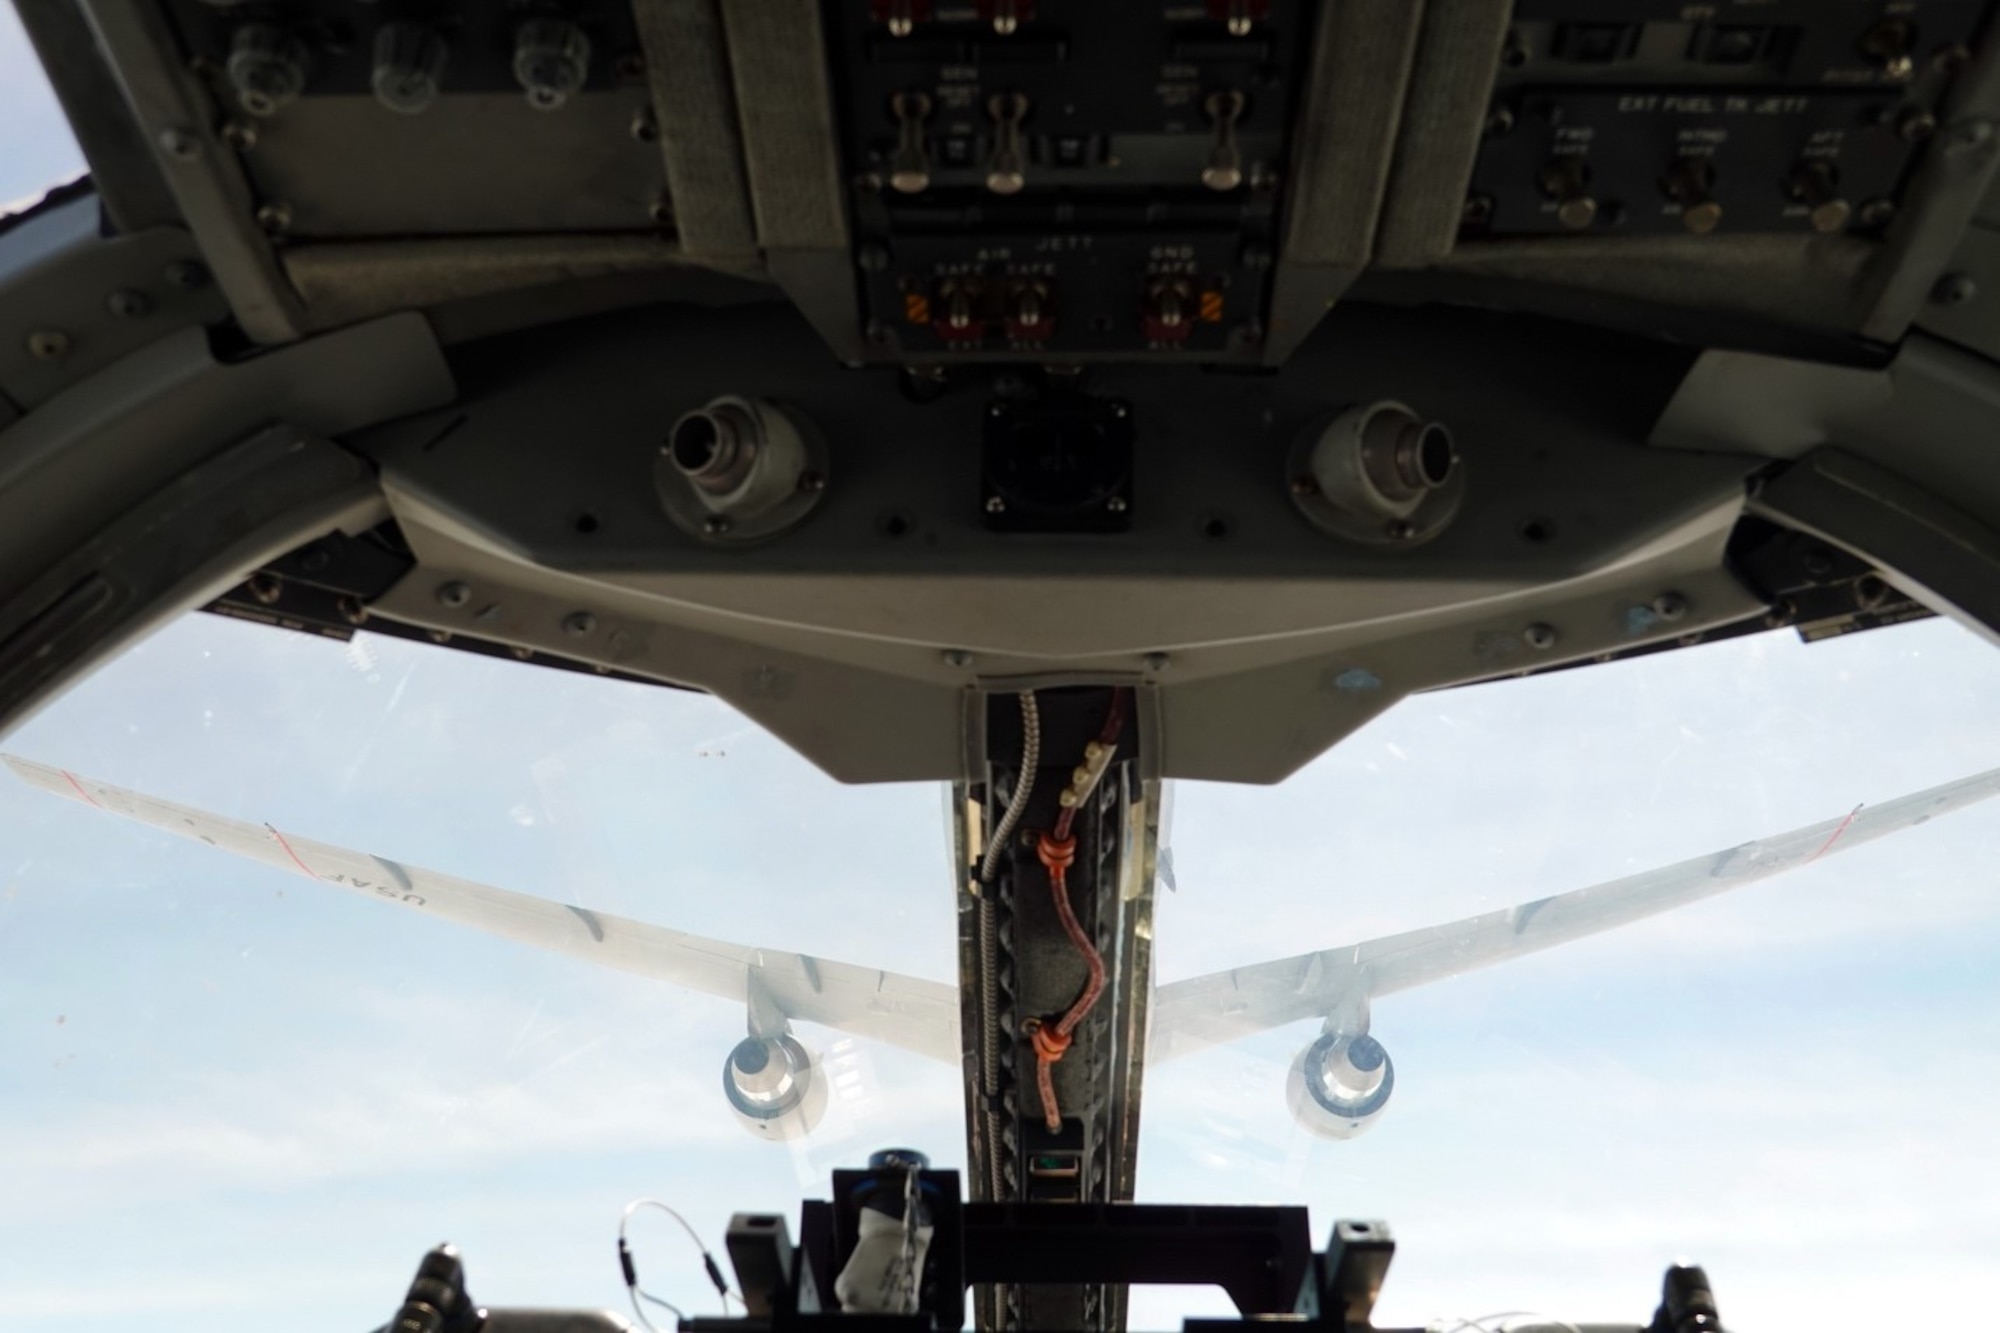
[
  {"x": 1657, "y": 117},
  {"x": 1065, "y": 178}
]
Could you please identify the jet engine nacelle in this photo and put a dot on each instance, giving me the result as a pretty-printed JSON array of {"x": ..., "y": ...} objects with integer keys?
[
  {"x": 775, "y": 1087},
  {"x": 1340, "y": 1084}
]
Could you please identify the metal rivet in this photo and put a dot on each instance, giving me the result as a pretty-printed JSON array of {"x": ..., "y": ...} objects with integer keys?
[
  {"x": 275, "y": 218},
  {"x": 1156, "y": 661},
  {"x": 873, "y": 257},
  {"x": 1967, "y": 135},
  {"x": 1670, "y": 606},
  {"x": 995, "y": 505},
  {"x": 48, "y": 344},
  {"x": 1539, "y": 636},
  {"x": 454, "y": 594},
  {"x": 1954, "y": 289},
  {"x": 715, "y": 525},
  {"x": 812, "y": 481},
  {"x": 1120, "y": 410},
  {"x": 266, "y": 588},
  {"x": 662, "y": 212},
  {"x": 1400, "y": 529},
  {"x": 179, "y": 145},
  {"x": 579, "y": 623},
  {"x": 240, "y": 135},
  {"x": 957, "y": 657},
  {"x": 440, "y": 636},
  {"x": 351, "y": 610},
  {"x": 1878, "y": 212},
  {"x": 128, "y": 304},
  {"x": 644, "y": 127},
  {"x": 186, "y": 274},
  {"x": 1304, "y": 486},
  {"x": 522, "y": 653}
]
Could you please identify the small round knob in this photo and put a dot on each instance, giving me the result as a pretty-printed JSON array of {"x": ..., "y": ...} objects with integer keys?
[
  {"x": 409, "y": 67},
  {"x": 551, "y": 61},
  {"x": 267, "y": 67}
]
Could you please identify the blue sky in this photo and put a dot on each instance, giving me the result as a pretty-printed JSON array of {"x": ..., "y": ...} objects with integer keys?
[
  {"x": 314, "y": 1087},
  {"x": 226, "y": 1091}
]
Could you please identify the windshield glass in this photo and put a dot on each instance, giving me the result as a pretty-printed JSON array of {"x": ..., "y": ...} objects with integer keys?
[
  {"x": 37, "y": 149},
  {"x": 314, "y": 1087}
]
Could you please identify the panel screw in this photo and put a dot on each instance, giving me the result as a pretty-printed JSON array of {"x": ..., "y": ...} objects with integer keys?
[
  {"x": 275, "y": 218},
  {"x": 873, "y": 257},
  {"x": 579, "y": 623},
  {"x": 1499, "y": 122},
  {"x": 1304, "y": 486},
  {"x": 128, "y": 304},
  {"x": 811, "y": 482},
  {"x": 1477, "y": 211},
  {"x": 179, "y": 145},
  {"x": 240, "y": 135},
  {"x": 1670, "y": 606},
  {"x": 1400, "y": 529},
  {"x": 266, "y": 588},
  {"x": 1878, "y": 212},
  {"x": 644, "y": 128},
  {"x": 48, "y": 344},
  {"x": 351, "y": 610},
  {"x": 316, "y": 560},
  {"x": 995, "y": 505},
  {"x": 661, "y": 212},
  {"x": 187, "y": 274},
  {"x": 1954, "y": 289},
  {"x": 1121, "y": 410},
  {"x": 957, "y": 657},
  {"x": 1156, "y": 661},
  {"x": 454, "y": 594},
  {"x": 1116, "y": 504},
  {"x": 1539, "y": 636},
  {"x": 715, "y": 525}
]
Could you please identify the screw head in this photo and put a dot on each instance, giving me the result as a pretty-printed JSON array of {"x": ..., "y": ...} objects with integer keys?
[
  {"x": 644, "y": 127},
  {"x": 275, "y": 218},
  {"x": 1878, "y": 212},
  {"x": 266, "y": 588},
  {"x": 454, "y": 594},
  {"x": 48, "y": 344},
  {"x": 812, "y": 482},
  {"x": 1156, "y": 661},
  {"x": 180, "y": 145},
  {"x": 1116, "y": 504},
  {"x": 715, "y": 525},
  {"x": 1670, "y": 606},
  {"x": 873, "y": 257},
  {"x": 1400, "y": 529},
  {"x": 187, "y": 274},
  {"x": 351, "y": 610},
  {"x": 1303, "y": 486},
  {"x": 579, "y": 623},
  {"x": 128, "y": 304},
  {"x": 995, "y": 505},
  {"x": 1499, "y": 122},
  {"x": 957, "y": 657},
  {"x": 1121, "y": 410},
  {"x": 1477, "y": 211},
  {"x": 1539, "y": 636},
  {"x": 1954, "y": 289},
  {"x": 240, "y": 135}
]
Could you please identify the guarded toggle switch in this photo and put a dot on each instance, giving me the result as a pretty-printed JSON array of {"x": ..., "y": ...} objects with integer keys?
[
  {"x": 1689, "y": 183},
  {"x": 1816, "y": 183},
  {"x": 910, "y": 169},
  {"x": 1225, "y": 161},
  {"x": 1007, "y": 168}
]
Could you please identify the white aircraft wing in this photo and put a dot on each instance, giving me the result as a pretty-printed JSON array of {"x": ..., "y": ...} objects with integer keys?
[
  {"x": 1224, "y": 1006},
  {"x": 920, "y": 1016}
]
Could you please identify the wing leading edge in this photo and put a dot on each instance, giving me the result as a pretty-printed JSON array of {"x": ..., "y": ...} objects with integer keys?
[
  {"x": 916, "y": 1015},
  {"x": 1224, "y": 1006}
]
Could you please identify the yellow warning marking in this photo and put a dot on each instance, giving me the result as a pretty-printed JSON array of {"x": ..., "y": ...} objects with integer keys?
[
  {"x": 916, "y": 307},
  {"x": 1211, "y": 307}
]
